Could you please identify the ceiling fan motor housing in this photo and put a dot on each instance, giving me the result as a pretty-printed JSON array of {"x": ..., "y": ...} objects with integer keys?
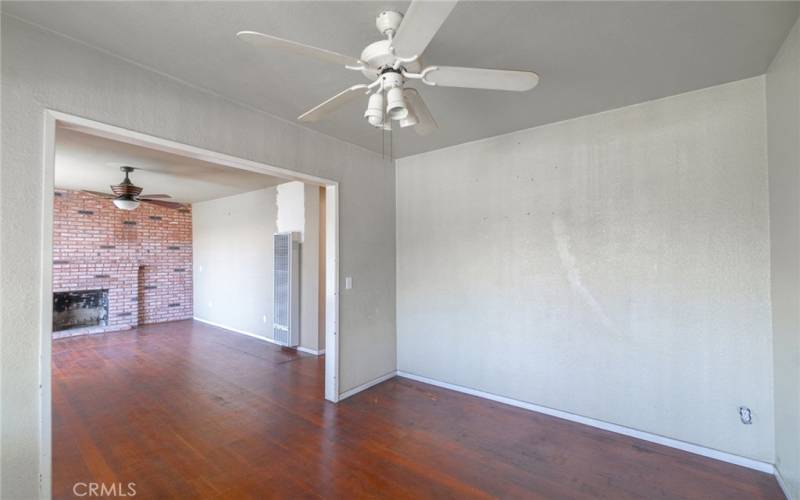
[
  {"x": 126, "y": 189},
  {"x": 378, "y": 55}
]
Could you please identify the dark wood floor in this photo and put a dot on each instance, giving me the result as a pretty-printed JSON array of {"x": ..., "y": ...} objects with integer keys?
[{"x": 186, "y": 410}]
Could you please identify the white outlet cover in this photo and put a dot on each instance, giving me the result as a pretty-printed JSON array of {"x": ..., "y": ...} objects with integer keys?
[
  {"x": 264, "y": 318},
  {"x": 348, "y": 282}
]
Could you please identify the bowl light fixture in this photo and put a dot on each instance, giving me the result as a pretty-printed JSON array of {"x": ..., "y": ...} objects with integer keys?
[{"x": 126, "y": 203}]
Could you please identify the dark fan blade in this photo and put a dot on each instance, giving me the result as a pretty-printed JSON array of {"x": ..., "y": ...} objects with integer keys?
[
  {"x": 165, "y": 204},
  {"x": 155, "y": 196},
  {"x": 99, "y": 194}
]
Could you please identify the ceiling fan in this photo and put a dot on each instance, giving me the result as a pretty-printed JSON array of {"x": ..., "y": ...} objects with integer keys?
[
  {"x": 126, "y": 195},
  {"x": 390, "y": 63}
]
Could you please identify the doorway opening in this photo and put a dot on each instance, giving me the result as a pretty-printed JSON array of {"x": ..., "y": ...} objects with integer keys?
[{"x": 174, "y": 257}]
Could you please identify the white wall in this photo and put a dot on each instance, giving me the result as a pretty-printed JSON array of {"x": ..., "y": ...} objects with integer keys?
[
  {"x": 615, "y": 266},
  {"x": 233, "y": 273},
  {"x": 298, "y": 211},
  {"x": 783, "y": 131},
  {"x": 233, "y": 258},
  {"x": 310, "y": 336},
  {"x": 41, "y": 70},
  {"x": 291, "y": 207}
]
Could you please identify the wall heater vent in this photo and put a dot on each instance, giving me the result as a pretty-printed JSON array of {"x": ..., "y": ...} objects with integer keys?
[{"x": 286, "y": 289}]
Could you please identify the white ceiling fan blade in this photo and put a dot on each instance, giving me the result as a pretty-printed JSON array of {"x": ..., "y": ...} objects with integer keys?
[
  {"x": 261, "y": 40},
  {"x": 315, "y": 114},
  {"x": 425, "y": 122},
  {"x": 477, "y": 78},
  {"x": 420, "y": 23}
]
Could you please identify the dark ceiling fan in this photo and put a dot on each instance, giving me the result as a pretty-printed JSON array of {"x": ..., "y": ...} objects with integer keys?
[{"x": 126, "y": 195}]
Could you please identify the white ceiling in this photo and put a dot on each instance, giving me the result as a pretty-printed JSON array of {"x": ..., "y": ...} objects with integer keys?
[
  {"x": 591, "y": 56},
  {"x": 90, "y": 162}
]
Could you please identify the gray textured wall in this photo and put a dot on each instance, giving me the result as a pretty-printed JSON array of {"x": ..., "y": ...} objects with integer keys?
[
  {"x": 310, "y": 335},
  {"x": 232, "y": 252},
  {"x": 41, "y": 70},
  {"x": 783, "y": 132},
  {"x": 233, "y": 262},
  {"x": 614, "y": 266}
]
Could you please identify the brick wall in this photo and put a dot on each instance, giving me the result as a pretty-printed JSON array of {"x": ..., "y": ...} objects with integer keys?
[{"x": 143, "y": 258}]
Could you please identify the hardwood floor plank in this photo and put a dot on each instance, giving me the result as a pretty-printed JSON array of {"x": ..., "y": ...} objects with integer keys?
[{"x": 187, "y": 410}]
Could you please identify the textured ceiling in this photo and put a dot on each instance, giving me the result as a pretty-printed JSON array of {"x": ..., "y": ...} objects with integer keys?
[
  {"x": 591, "y": 56},
  {"x": 90, "y": 162}
]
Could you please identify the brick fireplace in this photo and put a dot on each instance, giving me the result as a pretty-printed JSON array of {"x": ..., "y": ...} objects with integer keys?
[{"x": 142, "y": 258}]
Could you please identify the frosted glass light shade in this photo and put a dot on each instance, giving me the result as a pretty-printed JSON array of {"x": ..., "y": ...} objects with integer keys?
[{"x": 126, "y": 203}]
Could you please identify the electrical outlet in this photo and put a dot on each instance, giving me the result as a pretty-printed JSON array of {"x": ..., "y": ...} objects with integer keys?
[
  {"x": 746, "y": 415},
  {"x": 348, "y": 282},
  {"x": 264, "y": 318}
]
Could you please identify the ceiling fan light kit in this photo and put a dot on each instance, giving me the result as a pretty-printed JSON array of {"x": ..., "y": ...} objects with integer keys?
[
  {"x": 395, "y": 104},
  {"x": 409, "y": 121},
  {"x": 374, "y": 112},
  {"x": 126, "y": 203},
  {"x": 391, "y": 63},
  {"x": 126, "y": 196}
]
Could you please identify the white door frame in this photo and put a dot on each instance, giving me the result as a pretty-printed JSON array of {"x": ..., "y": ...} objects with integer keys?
[{"x": 52, "y": 119}]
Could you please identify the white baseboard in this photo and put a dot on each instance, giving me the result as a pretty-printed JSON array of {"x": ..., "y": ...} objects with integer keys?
[
  {"x": 367, "y": 385},
  {"x": 235, "y": 330},
  {"x": 259, "y": 337},
  {"x": 783, "y": 485},
  {"x": 646, "y": 436},
  {"x": 619, "y": 429},
  {"x": 311, "y": 351}
]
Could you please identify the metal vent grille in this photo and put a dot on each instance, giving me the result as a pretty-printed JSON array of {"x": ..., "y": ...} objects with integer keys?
[{"x": 282, "y": 287}]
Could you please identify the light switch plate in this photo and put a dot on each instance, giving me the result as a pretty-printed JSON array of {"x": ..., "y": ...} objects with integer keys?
[{"x": 348, "y": 282}]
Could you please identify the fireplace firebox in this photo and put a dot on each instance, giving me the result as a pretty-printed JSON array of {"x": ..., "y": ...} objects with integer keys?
[{"x": 77, "y": 309}]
